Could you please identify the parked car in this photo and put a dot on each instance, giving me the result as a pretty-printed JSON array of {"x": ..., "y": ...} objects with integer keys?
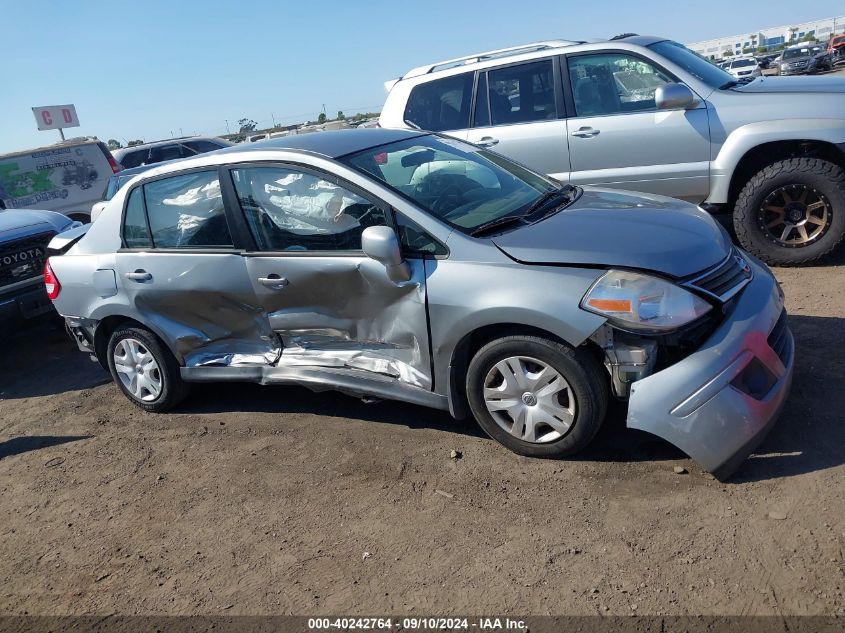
[
  {"x": 745, "y": 68},
  {"x": 396, "y": 264},
  {"x": 801, "y": 60},
  {"x": 172, "y": 149},
  {"x": 769, "y": 152},
  {"x": 24, "y": 235},
  {"x": 66, "y": 177}
]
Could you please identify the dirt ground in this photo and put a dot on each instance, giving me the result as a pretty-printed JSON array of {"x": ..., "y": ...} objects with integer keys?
[{"x": 257, "y": 500}]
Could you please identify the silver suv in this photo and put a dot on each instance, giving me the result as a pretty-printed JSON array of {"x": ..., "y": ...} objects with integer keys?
[
  {"x": 171, "y": 149},
  {"x": 394, "y": 264},
  {"x": 647, "y": 114}
]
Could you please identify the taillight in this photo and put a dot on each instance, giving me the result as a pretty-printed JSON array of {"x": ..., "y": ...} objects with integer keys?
[
  {"x": 51, "y": 282},
  {"x": 113, "y": 164}
]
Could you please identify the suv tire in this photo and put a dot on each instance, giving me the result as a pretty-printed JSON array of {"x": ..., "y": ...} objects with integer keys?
[
  {"x": 581, "y": 398},
  {"x": 820, "y": 182},
  {"x": 146, "y": 372}
]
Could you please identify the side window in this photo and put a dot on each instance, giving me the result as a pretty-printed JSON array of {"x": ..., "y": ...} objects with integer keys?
[
  {"x": 201, "y": 147},
  {"x": 186, "y": 211},
  {"x": 612, "y": 83},
  {"x": 415, "y": 240},
  {"x": 135, "y": 231},
  {"x": 169, "y": 152},
  {"x": 134, "y": 159},
  {"x": 290, "y": 210},
  {"x": 442, "y": 104},
  {"x": 522, "y": 93}
]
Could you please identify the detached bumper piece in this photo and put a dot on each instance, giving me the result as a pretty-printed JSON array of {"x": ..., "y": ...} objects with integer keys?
[{"x": 719, "y": 403}]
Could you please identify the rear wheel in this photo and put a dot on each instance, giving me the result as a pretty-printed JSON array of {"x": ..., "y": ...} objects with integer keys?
[
  {"x": 537, "y": 397},
  {"x": 792, "y": 212},
  {"x": 144, "y": 370}
]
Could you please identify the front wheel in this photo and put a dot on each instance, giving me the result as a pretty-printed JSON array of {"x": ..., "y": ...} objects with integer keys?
[
  {"x": 144, "y": 370},
  {"x": 792, "y": 212},
  {"x": 537, "y": 397}
]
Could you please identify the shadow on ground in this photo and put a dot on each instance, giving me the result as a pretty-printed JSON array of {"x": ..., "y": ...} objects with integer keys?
[{"x": 25, "y": 444}]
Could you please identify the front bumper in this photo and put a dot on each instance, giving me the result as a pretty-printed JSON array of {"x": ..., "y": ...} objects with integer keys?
[{"x": 702, "y": 404}]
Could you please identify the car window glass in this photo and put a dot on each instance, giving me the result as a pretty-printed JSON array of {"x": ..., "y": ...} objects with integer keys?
[
  {"x": 613, "y": 84},
  {"x": 289, "y": 210},
  {"x": 522, "y": 93},
  {"x": 442, "y": 104},
  {"x": 202, "y": 146},
  {"x": 186, "y": 211},
  {"x": 134, "y": 159},
  {"x": 415, "y": 240},
  {"x": 482, "y": 107},
  {"x": 168, "y": 152},
  {"x": 135, "y": 231}
]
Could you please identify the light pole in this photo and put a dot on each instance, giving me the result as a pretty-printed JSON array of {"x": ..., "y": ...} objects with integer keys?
[{"x": 227, "y": 127}]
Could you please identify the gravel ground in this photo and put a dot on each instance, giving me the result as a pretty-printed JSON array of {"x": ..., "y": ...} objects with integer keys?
[{"x": 257, "y": 500}]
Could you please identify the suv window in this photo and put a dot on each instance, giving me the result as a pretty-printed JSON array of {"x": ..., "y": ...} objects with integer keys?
[
  {"x": 202, "y": 146},
  {"x": 169, "y": 152},
  {"x": 135, "y": 158},
  {"x": 613, "y": 83},
  {"x": 442, "y": 104},
  {"x": 290, "y": 210},
  {"x": 518, "y": 94},
  {"x": 184, "y": 211}
]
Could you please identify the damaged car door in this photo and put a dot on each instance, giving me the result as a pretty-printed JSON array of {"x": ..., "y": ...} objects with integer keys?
[
  {"x": 332, "y": 307},
  {"x": 181, "y": 272}
]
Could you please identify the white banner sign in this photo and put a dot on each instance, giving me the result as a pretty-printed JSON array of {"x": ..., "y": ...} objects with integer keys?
[{"x": 55, "y": 117}]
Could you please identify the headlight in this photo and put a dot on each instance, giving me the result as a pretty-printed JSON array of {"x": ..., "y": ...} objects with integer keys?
[
  {"x": 635, "y": 301},
  {"x": 784, "y": 66}
]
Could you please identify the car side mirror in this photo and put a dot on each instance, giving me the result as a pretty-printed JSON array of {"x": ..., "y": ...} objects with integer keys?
[
  {"x": 674, "y": 97},
  {"x": 381, "y": 244}
]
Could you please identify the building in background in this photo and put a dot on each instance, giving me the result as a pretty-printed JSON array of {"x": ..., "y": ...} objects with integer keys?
[{"x": 769, "y": 39}]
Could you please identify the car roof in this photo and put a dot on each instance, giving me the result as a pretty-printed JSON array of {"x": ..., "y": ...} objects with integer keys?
[
  {"x": 332, "y": 144},
  {"x": 169, "y": 141}
]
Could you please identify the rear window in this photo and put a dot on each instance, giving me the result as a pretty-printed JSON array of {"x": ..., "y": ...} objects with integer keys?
[
  {"x": 134, "y": 158},
  {"x": 184, "y": 211},
  {"x": 442, "y": 104}
]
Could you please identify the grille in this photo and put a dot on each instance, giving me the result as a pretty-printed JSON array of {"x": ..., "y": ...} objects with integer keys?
[
  {"x": 725, "y": 280},
  {"x": 23, "y": 259},
  {"x": 778, "y": 338}
]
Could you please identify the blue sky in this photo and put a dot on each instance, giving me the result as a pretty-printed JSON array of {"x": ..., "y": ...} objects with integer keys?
[{"x": 149, "y": 68}]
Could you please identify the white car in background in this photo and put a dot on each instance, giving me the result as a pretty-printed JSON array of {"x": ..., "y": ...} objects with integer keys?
[{"x": 744, "y": 68}]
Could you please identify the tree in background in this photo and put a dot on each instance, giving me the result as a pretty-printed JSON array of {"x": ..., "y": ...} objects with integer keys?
[
  {"x": 321, "y": 118},
  {"x": 113, "y": 144},
  {"x": 247, "y": 125},
  {"x": 727, "y": 54},
  {"x": 340, "y": 115},
  {"x": 762, "y": 49},
  {"x": 746, "y": 51}
]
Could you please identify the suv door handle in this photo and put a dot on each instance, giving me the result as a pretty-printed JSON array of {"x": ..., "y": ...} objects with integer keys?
[
  {"x": 274, "y": 282},
  {"x": 586, "y": 132},
  {"x": 487, "y": 141},
  {"x": 139, "y": 275}
]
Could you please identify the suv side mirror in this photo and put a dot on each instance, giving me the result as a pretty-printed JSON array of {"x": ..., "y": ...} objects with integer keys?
[
  {"x": 674, "y": 97},
  {"x": 381, "y": 244}
]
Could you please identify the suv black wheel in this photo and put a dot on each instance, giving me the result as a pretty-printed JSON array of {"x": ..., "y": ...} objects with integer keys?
[
  {"x": 538, "y": 397},
  {"x": 792, "y": 212},
  {"x": 145, "y": 370}
]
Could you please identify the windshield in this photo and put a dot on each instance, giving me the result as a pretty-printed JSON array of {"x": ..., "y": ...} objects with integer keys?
[
  {"x": 693, "y": 63},
  {"x": 792, "y": 53},
  {"x": 456, "y": 182},
  {"x": 741, "y": 63}
]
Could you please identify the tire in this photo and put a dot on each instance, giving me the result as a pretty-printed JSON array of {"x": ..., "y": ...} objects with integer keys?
[
  {"x": 587, "y": 396},
  {"x": 822, "y": 180},
  {"x": 171, "y": 389}
]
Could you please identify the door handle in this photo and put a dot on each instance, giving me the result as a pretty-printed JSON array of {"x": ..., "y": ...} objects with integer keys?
[
  {"x": 139, "y": 275},
  {"x": 274, "y": 282},
  {"x": 487, "y": 141},
  {"x": 586, "y": 132}
]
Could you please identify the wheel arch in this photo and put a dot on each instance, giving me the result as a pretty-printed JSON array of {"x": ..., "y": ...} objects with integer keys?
[{"x": 107, "y": 326}]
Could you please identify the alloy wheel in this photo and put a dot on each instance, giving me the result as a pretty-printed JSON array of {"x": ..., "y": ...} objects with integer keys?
[
  {"x": 138, "y": 370},
  {"x": 529, "y": 399},
  {"x": 795, "y": 215}
]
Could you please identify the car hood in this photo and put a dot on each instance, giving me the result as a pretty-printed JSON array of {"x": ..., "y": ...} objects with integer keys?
[
  {"x": 18, "y": 220},
  {"x": 606, "y": 227},
  {"x": 794, "y": 84}
]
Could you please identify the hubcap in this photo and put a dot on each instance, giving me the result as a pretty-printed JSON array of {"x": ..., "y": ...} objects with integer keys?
[
  {"x": 529, "y": 399},
  {"x": 794, "y": 215},
  {"x": 137, "y": 370}
]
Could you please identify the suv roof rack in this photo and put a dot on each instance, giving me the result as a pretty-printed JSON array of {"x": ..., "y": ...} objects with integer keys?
[{"x": 477, "y": 57}]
